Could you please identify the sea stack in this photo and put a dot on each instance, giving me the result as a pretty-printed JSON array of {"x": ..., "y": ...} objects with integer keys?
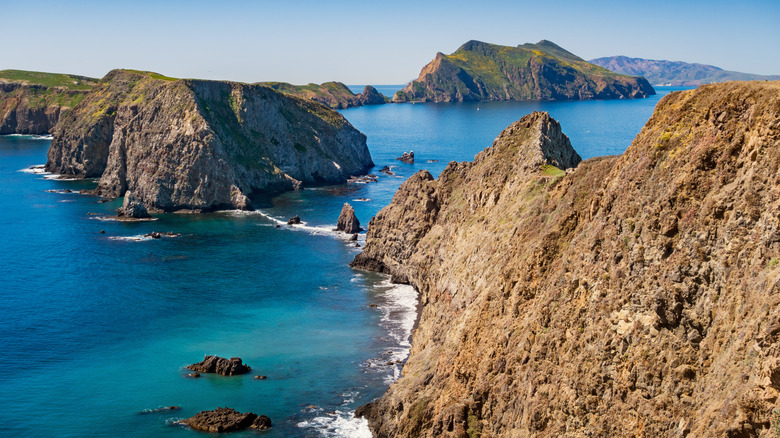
[
  {"x": 348, "y": 222},
  {"x": 629, "y": 295}
]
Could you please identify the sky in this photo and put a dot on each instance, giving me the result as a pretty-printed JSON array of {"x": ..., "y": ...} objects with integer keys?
[{"x": 369, "y": 42}]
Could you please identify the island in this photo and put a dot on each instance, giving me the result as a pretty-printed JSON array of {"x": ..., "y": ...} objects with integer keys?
[
  {"x": 196, "y": 145},
  {"x": 334, "y": 94},
  {"x": 480, "y": 71},
  {"x": 631, "y": 295}
]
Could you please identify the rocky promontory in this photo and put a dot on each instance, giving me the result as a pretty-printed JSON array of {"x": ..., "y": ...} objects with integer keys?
[
  {"x": 542, "y": 71},
  {"x": 33, "y": 102},
  {"x": 186, "y": 144},
  {"x": 334, "y": 94},
  {"x": 633, "y": 295}
]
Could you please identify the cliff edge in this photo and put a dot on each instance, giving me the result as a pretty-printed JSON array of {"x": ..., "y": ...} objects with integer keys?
[
  {"x": 186, "y": 144},
  {"x": 33, "y": 102},
  {"x": 635, "y": 295}
]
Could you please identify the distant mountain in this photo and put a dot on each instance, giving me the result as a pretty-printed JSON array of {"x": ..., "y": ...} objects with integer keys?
[
  {"x": 675, "y": 73},
  {"x": 334, "y": 94},
  {"x": 541, "y": 71}
]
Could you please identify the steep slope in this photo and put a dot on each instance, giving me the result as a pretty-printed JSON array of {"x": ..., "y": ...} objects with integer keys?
[
  {"x": 636, "y": 295},
  {"x": 675, "y": 73},
  {"x": 201, "y": 145},
  {"x": 334, "y": 94},
  {"x": 543, "y": 71},
  {"x": 32, "y": 102}
]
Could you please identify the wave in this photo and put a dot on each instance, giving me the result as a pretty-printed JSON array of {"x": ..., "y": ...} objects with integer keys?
[
  {"x": 338, "y": 424},
  {"x": 316, "y": 230},
  {"x": 136, "y": 238},
  {"x": 38, "y": 169},
  {"x": 33, "y": 136}
]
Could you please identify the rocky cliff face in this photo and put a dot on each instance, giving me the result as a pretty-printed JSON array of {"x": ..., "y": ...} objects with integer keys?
[
  {"x": 333, "y": 94},
  {"x": 636, "y": 295},
  {"x": 32, "y": 102},
  {"x": 542, "y": 71},
  {"x": 202, "y": 145},
  {"x": 675, "y": 73}
]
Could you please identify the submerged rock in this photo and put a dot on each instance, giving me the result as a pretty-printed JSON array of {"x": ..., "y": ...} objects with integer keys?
[
  {"x": 226, "y": 420},
  {"x": 348, "y": 222},
  {"x": 220, "y": 365}
]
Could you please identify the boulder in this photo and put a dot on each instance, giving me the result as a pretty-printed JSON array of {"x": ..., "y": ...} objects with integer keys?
[
  {"x": 407, "y": 157},
  {"x": 132, "y": 207},
  {"x": 348, "y": 222},
  {"x": 295, "y": 220},
  {"x": 220, "y": 365},
  {"x": 226, "y": 420}
]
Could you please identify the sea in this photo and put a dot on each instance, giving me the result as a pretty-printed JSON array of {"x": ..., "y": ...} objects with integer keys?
[{"x": 98, "y": 321}]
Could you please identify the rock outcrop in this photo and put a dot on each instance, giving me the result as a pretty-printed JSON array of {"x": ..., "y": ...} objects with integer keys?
[
  {"x": 226, "y": 420},
  {"x": 675, "y": 73},
  {"x": 132, "y": 208},
  {"x": 348, "y": 222},
  {"x": 219, "y": 365},
  {"x": 32, "y": 102},
  {"x": 635, "y": 295},
  {"x": 202, "y": 145},
  {"x": 542, "y": 71},
  {"x": 333, "y": 94}
]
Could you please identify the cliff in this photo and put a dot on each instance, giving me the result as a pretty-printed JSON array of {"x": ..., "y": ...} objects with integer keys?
[
  {"x": 541, "y": 71},
  {"x": 334, "y": 94},
  {"x": 32, "y": 102},
  {"x": 675, "y": 73},
  {"x": 201, "y": 145},
  {"x": 633, "y": 295}
]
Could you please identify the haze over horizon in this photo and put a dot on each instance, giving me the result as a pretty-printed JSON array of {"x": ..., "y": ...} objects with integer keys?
[{"x": 363, "y": 43}]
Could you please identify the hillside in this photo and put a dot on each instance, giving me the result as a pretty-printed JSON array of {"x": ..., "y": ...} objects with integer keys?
[
  {"x": 185, "y": 144},
  {"x": 675, "y": 73},
  {"x": 334, "y": 94},
  {"x": 32, "y": 102},
  {"x": 633, "y": 295},
  {"x": 542, "y": 71}
]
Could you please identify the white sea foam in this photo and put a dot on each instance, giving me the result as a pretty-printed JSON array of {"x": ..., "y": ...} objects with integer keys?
[
  {"x": 117, "y": 219},
  {"x": 59, "y": 177},
  {"x": 38, "y": 169},
  {"x": 338, "y": 424},
  {"x": 33, "y": 136},
  {"x": 136, "y": 238}
]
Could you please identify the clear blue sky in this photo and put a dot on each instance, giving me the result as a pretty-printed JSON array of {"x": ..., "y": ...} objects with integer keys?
[{"x": 359, "y": 42}]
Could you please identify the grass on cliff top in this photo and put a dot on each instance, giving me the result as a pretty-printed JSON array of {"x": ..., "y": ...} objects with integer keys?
[
  {"x": 333, "y": 88},
  {"x": 72, "y": 82},
  {"x": 153, "y": 75}
]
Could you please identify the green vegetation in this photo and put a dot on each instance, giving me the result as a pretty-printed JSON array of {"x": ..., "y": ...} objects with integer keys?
[
  {"x": 71, "y": 82},
  {"x": 772, "y": 263},
  {"x": 152, "y": 75},
  {"x": 550, "y": 170}
]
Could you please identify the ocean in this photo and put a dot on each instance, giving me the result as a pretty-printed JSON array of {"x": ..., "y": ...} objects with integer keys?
[{"x": 97, "y": 321}]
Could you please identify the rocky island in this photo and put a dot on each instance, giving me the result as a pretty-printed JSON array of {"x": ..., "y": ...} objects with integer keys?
[
  {"x": 334, "y": 94},
  {"x": 541, "y": 71},
  {"x": 675, "y": 73},
  {"x": 632, "y": 295},
  {"x": 33, "y": 102},
  {"x": 196, "y": 145}
]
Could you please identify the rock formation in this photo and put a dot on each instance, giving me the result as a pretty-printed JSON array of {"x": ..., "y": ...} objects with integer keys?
[
  {"x": 675, "y": 73},
  {"x": 541, "y": 71},
  {"x": 334, "y": 94},
  {"x": 220, "y": 365},
  {"x": 132, "y": 207},
  {"x": 202, "y": 145},
  {"x": 407, "y": 157},
  {"x": 32, "y": 102},
  {"x": 348, "y": 222},
  {"x": 226, "y": 420},
  {"x": 634, "y": 295}
]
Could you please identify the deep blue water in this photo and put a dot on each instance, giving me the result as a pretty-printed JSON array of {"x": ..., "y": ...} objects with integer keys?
[{"x": 97, "y": 327}]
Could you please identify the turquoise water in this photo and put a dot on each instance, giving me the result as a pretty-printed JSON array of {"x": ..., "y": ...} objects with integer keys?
[{"x": 97, "y": 327}]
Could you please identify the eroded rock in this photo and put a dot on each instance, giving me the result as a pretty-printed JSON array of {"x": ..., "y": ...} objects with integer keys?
[{"x": 220, "y": 365}]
